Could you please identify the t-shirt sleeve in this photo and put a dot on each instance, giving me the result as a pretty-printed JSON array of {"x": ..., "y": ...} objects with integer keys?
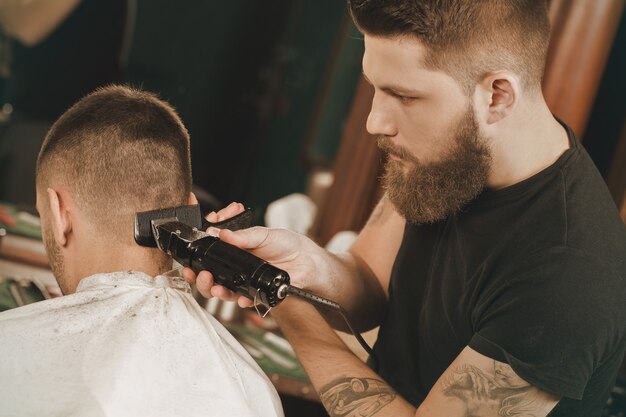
[{"x": 553, "y": 320}]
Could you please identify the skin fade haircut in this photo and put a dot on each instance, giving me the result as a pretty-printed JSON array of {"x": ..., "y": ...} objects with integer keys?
[
  {"x": 117, "y": 151},
  {"x": 466, "y": 39}
]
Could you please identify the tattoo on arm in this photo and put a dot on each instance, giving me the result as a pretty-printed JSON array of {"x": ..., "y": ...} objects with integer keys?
[
  {"x": 356, "y": 396},
  {"x": 500, "y": 394}
]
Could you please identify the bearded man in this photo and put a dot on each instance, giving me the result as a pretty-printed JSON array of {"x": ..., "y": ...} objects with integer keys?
[
  {"x": 495, "y": 264},
  {"x": 127, "y": 338}
]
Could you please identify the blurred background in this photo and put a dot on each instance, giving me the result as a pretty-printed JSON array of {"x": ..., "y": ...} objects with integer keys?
[
  {"x": 263, "y": 87},
  {"x": 272, "y": 94}
]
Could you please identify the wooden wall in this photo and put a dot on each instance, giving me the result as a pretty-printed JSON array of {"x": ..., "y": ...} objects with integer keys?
[{"x": 582, "y": 36}]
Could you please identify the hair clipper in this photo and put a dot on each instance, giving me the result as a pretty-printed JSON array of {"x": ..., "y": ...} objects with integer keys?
[{"x": 179, "y": 232}]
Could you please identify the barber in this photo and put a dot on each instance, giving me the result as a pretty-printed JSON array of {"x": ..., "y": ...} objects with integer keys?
[{"x": 495, "y": 263}]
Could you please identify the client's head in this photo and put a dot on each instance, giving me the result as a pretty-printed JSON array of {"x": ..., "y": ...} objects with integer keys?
[{"x": 115, "y": 152}]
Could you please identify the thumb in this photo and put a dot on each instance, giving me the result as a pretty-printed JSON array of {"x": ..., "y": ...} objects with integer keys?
[{"x": 252, "y": 238}]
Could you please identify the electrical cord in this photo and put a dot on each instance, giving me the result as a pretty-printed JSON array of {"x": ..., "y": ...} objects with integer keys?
[{"x": 324, "y": 302}]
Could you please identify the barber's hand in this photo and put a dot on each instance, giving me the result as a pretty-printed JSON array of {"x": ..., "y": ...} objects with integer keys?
[
  {"x": 204, "y": 280},
  {"x": 282, "y": 248}
]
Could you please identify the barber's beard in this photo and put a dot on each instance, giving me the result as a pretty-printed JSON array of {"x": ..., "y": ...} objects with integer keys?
[
  {"x": 55, "y": 257},
  {"x": 430, "y": 192}
]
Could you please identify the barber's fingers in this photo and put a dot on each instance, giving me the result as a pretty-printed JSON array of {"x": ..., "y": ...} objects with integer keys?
[
  {"x": 207, "y": 287},
  {"x": 251, "y": 238},
  {"x": 276, "y": 246},
  {"x": 271, "y": 240},
  {"x": 189, "y": 275},
  {"x": 204, "y": 282},
  {"x": 227, "y": 212},
  {"x": 244, "y": 302},
  {"x": 224, "y": 293}
]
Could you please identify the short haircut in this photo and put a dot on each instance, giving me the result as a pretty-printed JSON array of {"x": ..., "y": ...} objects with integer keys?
[
  {"x": 466, "y": 38},
  {"x": 118, "y": 150}
]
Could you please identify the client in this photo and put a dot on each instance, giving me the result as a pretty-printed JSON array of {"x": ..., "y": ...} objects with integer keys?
[{"x": 127, "y": 339}]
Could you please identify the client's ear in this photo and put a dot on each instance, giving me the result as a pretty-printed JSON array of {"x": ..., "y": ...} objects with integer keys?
[
  {"x": 61, "y": 221},
  {"x": 192, "y": 200}
]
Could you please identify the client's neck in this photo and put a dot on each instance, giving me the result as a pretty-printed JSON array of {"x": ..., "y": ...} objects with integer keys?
[{"x": 95, "y": 259}]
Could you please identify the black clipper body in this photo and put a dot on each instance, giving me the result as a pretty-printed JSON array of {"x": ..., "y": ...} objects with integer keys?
[{"x": 232, "y": 267}]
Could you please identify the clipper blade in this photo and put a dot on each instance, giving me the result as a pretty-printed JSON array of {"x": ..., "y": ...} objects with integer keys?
[{"x": 189, "y": 215}]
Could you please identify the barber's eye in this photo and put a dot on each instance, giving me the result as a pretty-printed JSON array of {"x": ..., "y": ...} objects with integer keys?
[{"x": 404, "y": 99}]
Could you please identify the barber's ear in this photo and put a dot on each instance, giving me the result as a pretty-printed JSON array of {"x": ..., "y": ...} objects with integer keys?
[
  {"x": 192, "y": 200},
  {"x": 61, "y": 220},
  {"x": 500, "y": 91}
]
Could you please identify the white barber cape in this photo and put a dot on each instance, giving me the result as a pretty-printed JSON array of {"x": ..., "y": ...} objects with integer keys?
[{"x": 126, "y": 344}]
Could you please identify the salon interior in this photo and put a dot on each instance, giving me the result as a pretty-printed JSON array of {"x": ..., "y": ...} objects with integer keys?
[{"x": 276, "y": 105}]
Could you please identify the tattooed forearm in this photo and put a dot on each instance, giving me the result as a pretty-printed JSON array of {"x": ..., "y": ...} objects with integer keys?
[
  {"x": 347, "y": 397},
  {"x": 502, "y": 393}
]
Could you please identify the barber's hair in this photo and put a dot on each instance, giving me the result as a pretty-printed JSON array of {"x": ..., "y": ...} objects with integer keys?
[
  {"x": 466, "y": 38},
  {"x": 118, "y": 150}
]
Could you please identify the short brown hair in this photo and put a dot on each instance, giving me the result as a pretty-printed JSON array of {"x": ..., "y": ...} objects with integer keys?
[
  {"x": 118, "y": 150},
  {"x": 466, "y": 38}
]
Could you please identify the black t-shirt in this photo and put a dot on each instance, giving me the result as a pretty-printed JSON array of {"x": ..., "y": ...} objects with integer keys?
[{"x": 533, "y": 275}]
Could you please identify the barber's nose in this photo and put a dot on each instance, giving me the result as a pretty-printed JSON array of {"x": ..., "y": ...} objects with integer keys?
[{"x": 379, "y": 121}]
